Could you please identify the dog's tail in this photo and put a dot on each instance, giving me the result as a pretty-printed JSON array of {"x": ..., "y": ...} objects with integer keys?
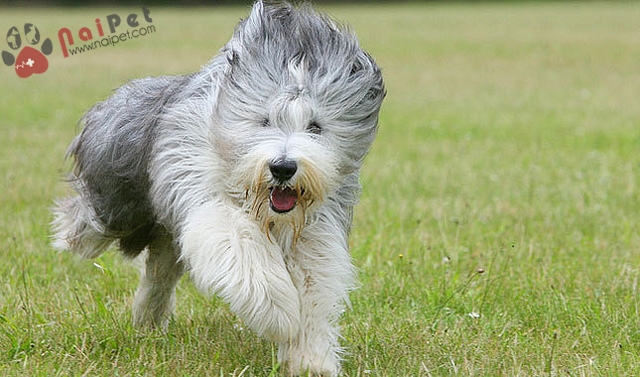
[{"x": 76, "y": 228}]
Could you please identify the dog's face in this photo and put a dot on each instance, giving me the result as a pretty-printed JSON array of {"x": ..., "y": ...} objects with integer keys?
[{"x": 296, "y": 113}]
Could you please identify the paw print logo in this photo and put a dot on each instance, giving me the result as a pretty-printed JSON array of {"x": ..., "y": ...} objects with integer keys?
[{"x": 29, "y": 60}]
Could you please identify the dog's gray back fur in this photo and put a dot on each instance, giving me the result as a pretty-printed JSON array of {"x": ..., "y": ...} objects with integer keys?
[
  {"x": 247, "y": 78},
  {"x": 112, "y": 157}
]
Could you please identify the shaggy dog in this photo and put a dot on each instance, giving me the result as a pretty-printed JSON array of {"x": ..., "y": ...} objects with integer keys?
[{"x": 243, "y": 174}]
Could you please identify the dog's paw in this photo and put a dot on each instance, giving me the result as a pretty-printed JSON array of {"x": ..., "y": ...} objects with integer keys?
[
  {"x": 29, "y": 60},
  {"x": 306, "y": 365}
]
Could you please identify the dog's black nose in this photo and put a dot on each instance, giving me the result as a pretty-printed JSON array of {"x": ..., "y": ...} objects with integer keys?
[{"x": 283, "y": 170}]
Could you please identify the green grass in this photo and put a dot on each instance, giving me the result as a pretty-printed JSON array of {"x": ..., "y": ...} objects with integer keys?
[{"x": 497, "y": 232}]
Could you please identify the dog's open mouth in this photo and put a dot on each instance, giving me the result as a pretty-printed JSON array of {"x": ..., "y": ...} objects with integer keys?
[{"x": 283, "y": 199}]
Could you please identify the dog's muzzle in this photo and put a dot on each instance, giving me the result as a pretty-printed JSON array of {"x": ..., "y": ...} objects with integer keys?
[{"x": 281, "y": 197}]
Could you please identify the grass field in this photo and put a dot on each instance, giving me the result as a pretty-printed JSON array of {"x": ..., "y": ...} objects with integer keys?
[{"x": 497, "y": 235}]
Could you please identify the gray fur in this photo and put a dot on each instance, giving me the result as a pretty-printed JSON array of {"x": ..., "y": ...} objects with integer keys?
[
  {"x": 343, "y": 80},
  {"x": 113, "y": 152},
  {"x": 112, "y": 158},
  {"x": 165, "y": 163}
]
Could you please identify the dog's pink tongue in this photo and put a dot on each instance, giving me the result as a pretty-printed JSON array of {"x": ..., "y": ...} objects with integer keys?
[{"x": 283, "y": 199}]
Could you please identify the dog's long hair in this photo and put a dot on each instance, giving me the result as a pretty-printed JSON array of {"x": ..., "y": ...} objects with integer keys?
[
  {"x": 246, "y": 170},
  {"x": 186, "y": 132}
]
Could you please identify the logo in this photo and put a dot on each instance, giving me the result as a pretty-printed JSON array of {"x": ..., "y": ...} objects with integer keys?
[
  {"x": 32, "y": 57},
  {"x": 66, "y": 39},
  {"x": 30, "y": 60}
]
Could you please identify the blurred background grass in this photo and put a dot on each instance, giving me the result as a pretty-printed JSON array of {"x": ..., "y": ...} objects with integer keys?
[{"x": 498, "y": 228}]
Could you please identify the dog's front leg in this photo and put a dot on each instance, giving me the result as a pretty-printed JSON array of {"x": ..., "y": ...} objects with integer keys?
[
  {"x": 322, "y": 271},
  {"x": 229, "y": 255}
]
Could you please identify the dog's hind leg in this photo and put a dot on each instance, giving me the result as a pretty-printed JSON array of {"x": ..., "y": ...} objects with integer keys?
[{"x": 155, "y": 297}]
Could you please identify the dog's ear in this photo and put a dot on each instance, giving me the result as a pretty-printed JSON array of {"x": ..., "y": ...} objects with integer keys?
[
  {"x": 249, "y": 29},
  {"x": 253, "y": 25},
  {"x": 265, "y": 19},
  {"x": 263, "y": 22},
  {"x": 366, "y": 64}
]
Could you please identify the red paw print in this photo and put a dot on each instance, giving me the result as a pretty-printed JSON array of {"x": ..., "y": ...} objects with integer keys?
[{"x": 29, "y": 60}]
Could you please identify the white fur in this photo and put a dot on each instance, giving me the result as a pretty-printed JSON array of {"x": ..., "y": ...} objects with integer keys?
[
  {"x": 181, "y": 167},
  {"x": 321, "y": 269},
  {"x": 229, "y": 255}
]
